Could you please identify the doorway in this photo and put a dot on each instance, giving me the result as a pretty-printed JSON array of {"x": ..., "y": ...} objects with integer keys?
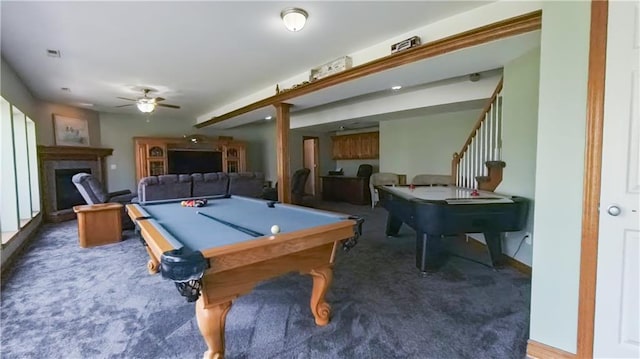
[{"x": 310, "y": 147}]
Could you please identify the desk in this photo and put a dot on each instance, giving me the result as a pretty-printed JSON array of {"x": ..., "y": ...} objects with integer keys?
[
  {"x": 434, "y": 212},
  {"x": 215, "y": 263},
  {"x": 354, "y": 190}
]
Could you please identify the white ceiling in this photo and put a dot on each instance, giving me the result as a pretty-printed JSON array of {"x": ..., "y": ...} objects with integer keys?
[
  {"x": 199, "y": 55},
  {"x": 204, "y": 55}
]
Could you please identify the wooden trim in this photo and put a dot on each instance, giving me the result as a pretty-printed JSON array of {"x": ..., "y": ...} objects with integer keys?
[
  {"x": 498, "y": 30},
  {"x": 282, "y": 151},
  {"x": 537, "y": 350},
  {"x": 593, "y": 168}
]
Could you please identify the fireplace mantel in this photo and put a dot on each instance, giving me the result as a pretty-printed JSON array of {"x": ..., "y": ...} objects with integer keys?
[
  {"x": 72, "y": 153},
  {"x": 51, "y": 158}
]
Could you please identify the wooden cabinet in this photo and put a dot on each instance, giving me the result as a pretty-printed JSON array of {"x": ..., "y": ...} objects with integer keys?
[
  {"x": 152, "y": 160},
  {"x": 234, "y": 157},
  {"x": 356, "y": 146}
]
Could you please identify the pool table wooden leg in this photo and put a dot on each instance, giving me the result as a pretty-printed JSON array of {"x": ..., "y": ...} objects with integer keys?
[
  {"x": 211, "y": 322},
  {"x": 322, "y": 278},
  {"x": 152, "y": 264}
]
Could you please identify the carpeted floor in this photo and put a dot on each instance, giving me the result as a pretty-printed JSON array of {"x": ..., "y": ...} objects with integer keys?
[{"x": 63, "y": 301}]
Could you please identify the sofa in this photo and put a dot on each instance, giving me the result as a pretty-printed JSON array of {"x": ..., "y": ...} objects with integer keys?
[{"x": 152, "y": 188}]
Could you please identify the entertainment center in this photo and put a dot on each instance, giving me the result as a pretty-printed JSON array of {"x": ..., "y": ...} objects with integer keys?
[{"x": 164, "y": 155}]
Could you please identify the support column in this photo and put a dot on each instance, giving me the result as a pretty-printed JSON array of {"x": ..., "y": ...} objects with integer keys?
[{"x": 282, "y": 148}]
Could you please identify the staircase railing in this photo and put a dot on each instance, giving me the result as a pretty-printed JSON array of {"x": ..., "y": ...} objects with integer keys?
[{"x": 479, "y": 163}]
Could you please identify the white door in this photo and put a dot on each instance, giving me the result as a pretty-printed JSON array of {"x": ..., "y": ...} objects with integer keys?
[{"x": 617, "y": 317}]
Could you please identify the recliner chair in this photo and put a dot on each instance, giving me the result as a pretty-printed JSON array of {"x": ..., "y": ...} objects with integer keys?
[{"x": 93, "y": 192}]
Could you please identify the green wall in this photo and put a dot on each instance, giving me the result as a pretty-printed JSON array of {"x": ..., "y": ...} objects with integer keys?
[
  {"x": 559, "y": 173},
  {"x": 117, "y": 132},
  {"x": 425, "y": 144},
  {"x": 519, "y": 142}
]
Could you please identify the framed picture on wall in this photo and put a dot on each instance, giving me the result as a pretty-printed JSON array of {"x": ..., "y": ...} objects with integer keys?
[{"x": 69, "y": 131}]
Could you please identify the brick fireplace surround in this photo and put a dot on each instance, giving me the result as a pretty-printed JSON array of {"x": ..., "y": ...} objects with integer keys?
[{"x": 52, "y": 158}]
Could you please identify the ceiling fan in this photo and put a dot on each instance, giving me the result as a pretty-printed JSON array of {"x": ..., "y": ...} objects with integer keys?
[{"x": 147, "y": 104}]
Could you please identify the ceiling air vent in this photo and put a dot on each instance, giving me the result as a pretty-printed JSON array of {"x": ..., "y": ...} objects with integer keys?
[{"x": 53, "y": 53}]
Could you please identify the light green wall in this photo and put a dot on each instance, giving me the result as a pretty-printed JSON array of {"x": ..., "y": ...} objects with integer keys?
[
  {"x": 350, "y": 167},
  {"x": 118, "y": 130},
  {"x": 295, "y": 150},
  {"x": 519, "y": 139},
  {"x": 426, "y": 144},
  {"x": 559, "y": 173}
]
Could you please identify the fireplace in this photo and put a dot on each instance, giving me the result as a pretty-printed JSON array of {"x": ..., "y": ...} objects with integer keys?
[
  {"x": 57, "y": 165},
  {"x": 67, "y": 195}
]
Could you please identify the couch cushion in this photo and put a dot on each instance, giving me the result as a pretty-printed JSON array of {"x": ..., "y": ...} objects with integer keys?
[
  {"x": 209, "y": 184},
  {"x": 248, "y": 184},
  {"x": 164, "y": 187}
]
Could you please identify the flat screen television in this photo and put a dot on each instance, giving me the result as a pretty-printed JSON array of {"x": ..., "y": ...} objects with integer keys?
[{"x": 194, "y": 161}]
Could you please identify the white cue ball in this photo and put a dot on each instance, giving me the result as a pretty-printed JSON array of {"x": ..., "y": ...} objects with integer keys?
[{"x": 275, "y": 229}]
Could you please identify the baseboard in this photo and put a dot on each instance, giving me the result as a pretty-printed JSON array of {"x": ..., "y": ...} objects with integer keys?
[
  {"x": 519, "y": 266},
  {"x": 537, "y": 350}
]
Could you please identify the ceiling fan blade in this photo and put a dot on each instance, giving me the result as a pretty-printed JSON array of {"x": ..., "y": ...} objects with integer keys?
[
  {"x": 128, "y": 99},
  {"x": 158, "y": 99},
  {"x": 167, "y": 105},
  {"x": 129, "y": 104}
]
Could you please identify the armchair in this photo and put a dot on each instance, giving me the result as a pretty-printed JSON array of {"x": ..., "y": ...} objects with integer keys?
[
  {"x": 381, "y": 178},
  {"x": 298, "y": 181},
  {"x": 94, "y": 193}
]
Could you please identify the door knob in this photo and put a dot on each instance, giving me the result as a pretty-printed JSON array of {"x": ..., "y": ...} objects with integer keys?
[{"x": 613, "y": 210}]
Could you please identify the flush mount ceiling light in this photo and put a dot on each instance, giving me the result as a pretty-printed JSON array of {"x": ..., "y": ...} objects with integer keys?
[{"x": 294, "y": 18}]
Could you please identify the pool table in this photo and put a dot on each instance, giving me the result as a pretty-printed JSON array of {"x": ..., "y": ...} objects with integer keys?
[
  {"x": 435, "y": 212},
  {"x": 220, "y": 251}
]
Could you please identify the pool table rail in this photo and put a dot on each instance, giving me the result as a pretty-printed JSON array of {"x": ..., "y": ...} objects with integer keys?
[
  {"x": 263, "y": 248},
  {"x": 148, "y": 230}
]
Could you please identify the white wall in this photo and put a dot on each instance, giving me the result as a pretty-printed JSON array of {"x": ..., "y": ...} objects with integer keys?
[
  {"x": 426, "y": 144},
  {"x": 559, "y": 173}
]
